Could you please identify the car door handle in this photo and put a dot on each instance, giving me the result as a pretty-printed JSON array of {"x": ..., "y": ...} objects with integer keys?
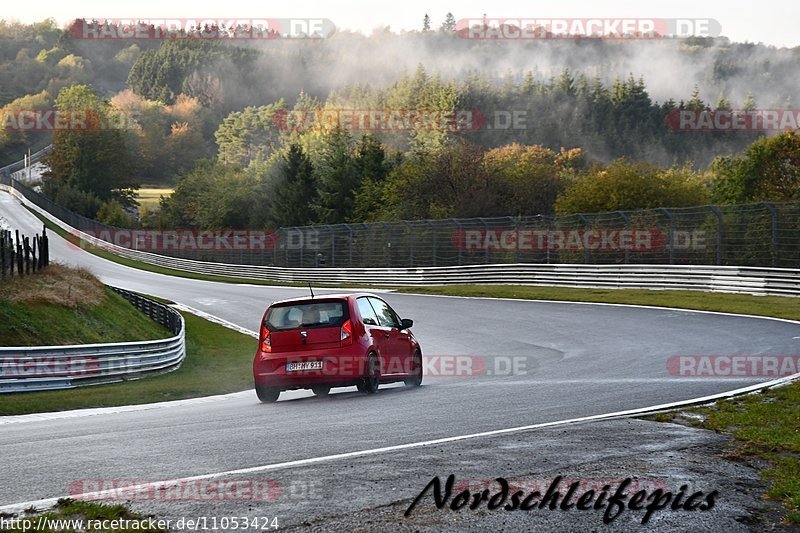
[{"x": 386, "y": 335}]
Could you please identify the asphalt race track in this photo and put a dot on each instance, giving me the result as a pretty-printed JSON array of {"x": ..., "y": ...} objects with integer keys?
[{"x": 579, "y": 360}]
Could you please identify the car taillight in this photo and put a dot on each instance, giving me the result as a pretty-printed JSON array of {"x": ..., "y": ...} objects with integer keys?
[
  {"x": 266, "y": 344},
  {"x": 347, "y": 334}
]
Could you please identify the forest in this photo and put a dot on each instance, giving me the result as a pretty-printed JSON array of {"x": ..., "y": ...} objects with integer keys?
[{"x": 562, "y": 126}]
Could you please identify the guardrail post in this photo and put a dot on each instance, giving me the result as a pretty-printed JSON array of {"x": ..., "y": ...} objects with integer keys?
[
  {"x": 714, "y": 209},
  {"x": 773, "y": 231}
]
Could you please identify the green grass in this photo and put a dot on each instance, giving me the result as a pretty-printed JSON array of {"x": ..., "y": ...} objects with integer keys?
[
  {"x": 69, "y": 509},
  {"x": 41, "y": 324},
  {"x": 765, "y": 426},
  {"x": 150, "y": 197},
  {"x": 218, "y": 361}
]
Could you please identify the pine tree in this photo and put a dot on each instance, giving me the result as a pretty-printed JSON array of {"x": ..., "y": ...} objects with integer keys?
[
  {"x": 295, "y": 192},
  {"x": 449, "y": 23},
  {"x": 338, "y": 179}
]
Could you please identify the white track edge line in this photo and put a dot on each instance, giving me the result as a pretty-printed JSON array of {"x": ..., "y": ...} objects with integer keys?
[{"x": 49, "y": 502}]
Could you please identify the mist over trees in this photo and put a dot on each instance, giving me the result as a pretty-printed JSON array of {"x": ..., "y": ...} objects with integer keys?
[{"x": 555, "y": 125}]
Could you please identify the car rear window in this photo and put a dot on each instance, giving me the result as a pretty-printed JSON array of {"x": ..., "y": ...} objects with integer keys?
[{"x": 307, "y": 315}]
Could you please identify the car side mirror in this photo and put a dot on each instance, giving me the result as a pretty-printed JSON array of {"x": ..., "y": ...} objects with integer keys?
[{"x": 406, "y": 323}]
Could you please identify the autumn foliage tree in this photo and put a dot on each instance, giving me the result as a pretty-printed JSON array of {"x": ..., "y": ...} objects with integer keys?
[
  {"x": 769, "y": 169},
  {"x": 626, "y": 185}
]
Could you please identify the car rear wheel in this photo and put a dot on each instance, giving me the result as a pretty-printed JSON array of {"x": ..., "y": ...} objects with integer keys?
[
  {"x": 321, "y": 390},
  {"x": 267, "y": 394},
  {"x": 369, "y": 383},
  {"x": 416, "y": 370}
]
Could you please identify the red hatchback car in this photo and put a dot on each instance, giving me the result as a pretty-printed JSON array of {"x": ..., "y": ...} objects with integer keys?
[{"x": 335, "y": 340}]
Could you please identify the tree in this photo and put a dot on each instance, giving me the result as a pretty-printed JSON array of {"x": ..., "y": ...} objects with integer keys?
[
  {"x": 449, "y": 23},
  {"x": 373, "y": 166},
  {"x": 626, "y": 185},
  {"x": 113, "y": 214},
  {"x": 769, "y": 170},
  {"x": 295, "y": 191},
  {"x": 214, "y": 195},
  {"x": 92, "y": 159},
  {"x": 426, "y": 23},
  {"x": 337, "y": 179},
  {"x": 450, "y": 181},
  {"x": 249, "y": 134},
  {"x": 530, "y": 178}
]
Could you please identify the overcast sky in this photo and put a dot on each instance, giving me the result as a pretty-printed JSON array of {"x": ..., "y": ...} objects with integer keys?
[{"x": 770, "y": 22}]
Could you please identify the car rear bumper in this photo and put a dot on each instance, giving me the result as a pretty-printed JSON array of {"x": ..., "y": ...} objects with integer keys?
[{"x": 340, "y": 369}]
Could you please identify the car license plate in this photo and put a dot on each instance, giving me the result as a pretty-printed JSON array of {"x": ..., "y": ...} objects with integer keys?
[{"x": 305, "y": 365}]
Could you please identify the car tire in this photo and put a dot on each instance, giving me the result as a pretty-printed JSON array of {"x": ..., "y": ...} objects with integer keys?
[
  {"x": 321, "y": 390},
  {"x": 369, "y": 383},
  {"x": 416, "y": 371},
  {"x": 267, "y": 394}
]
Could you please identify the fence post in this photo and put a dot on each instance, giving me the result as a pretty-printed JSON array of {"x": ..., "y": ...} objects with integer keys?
[
  {"x": 410, "y": 243},
  {"x": 387, "y": 228},
  {"x": 628, "y": 227},
  {"x": 333, "y": 246},
  {"x": 586, "y": 253},
  {"x": 2, "y": 254},
  {"x": 671, "y": 235},
  {"x": 350, "y": 246},
  {"x": 485, "y": 248},
  {"x": 774, "y": 232},
  {"x": 714, "y": 209},
  {"x": 460, "y": 232},
  {"x": 434, "y": 237},
  {"x": 19, "y": 255}
]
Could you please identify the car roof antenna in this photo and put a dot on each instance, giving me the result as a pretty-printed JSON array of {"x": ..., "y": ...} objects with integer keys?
[{"x": 310, "y": 289}]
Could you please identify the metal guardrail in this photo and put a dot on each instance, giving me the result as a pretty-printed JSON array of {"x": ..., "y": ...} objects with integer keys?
[
  {"x": 39, "y": 368},
  {"x": 35, "y": 157},
  {"x": 736, "y": 279},
  {"x": 762, "y": 234}
]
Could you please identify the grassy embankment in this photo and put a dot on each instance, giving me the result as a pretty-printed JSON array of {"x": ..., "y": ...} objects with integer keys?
[{"x": 67, "y": 306}]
